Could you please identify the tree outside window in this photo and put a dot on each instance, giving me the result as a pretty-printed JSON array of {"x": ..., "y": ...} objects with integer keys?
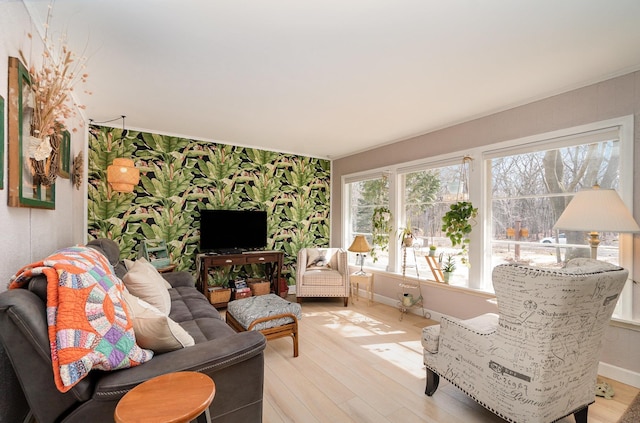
[
  {"x": 529, "y": 192},
  {"x": 365, "y": 196}
]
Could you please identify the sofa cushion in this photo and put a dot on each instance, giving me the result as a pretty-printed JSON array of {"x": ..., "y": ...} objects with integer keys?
[
  {"x": 323, "y": 278},
  {"x": 154, "y": 330},
  {"x": 144, "y": 281},
  {"x": 187, "y": 303}
]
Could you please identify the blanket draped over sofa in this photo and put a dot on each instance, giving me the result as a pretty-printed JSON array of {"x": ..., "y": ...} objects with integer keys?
[
  {"x": 235, "y": 361},
  {"x": 89, "y": 327}
]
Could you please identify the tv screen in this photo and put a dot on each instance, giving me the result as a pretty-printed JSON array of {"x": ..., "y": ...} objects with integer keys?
[{"x": 228, "y": 230}]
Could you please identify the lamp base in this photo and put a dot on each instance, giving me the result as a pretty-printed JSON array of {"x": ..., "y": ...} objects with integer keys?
[{"x": 594, "y": 241}]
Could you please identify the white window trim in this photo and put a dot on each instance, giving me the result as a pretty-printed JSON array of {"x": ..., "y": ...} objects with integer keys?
[{"x": 480, "y": 273}]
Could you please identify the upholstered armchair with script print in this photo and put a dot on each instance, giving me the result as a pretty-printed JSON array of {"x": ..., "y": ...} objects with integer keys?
[{"x": 537, "y": 360}]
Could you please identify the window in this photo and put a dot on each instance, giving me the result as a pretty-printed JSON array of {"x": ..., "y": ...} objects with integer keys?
[
  {"x": 365, "y": 196},
  {"x": 530, "y": 191},
  {"x": 427, "y": 195},
  {"x": 520, "y": 188}
]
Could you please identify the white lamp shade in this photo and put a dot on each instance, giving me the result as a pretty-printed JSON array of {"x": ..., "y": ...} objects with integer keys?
[{"x": 597, "y": 210}]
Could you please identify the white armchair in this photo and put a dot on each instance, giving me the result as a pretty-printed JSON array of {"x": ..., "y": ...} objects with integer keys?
[
  {"x": 536, "y": 361},
  {"x": 322, "y": 272}
]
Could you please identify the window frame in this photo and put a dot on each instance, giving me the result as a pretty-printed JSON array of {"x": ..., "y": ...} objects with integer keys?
[
  {"x": 347, "y": 236},
  {"x": 479, "y": 195}
]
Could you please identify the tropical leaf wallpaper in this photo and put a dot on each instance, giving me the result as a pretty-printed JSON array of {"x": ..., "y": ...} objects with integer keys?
[{"x": 180, "y": 176}]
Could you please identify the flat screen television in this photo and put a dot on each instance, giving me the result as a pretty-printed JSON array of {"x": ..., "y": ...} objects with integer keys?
[{"x": 224, "y": 231}]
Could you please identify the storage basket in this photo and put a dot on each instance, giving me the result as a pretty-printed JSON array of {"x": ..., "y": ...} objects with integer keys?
[
  {"x": 219, "y": 296},
  {"x": 260, "y": 288}
]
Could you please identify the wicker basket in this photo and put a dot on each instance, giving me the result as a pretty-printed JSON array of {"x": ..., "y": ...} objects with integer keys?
[
  {"x": 220, "y": 296},
  {"x": 260, "y": 288}
]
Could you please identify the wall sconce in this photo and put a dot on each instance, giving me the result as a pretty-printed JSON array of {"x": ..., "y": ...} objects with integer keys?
[{"x": 123, "y": 175}]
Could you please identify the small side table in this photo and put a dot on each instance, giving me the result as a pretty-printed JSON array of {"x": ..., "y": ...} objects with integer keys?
[
  {"x": 357, "y": 279},
  {"x": 178, "y": 397}
]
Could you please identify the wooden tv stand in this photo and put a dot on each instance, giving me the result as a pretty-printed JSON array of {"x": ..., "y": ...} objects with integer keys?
[{"x": 271, "y": 259}]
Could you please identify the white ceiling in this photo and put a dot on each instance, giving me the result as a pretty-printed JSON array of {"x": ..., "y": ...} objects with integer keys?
[{"x": 328, "y": 78}]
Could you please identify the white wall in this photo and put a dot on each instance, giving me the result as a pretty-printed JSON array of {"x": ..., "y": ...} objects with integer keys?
[{"x": 31, "y": 234}]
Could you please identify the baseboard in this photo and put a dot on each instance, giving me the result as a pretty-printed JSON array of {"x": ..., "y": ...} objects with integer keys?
[
  {"x": 625, "y": 376},
  {"x": 433, "y": 315}
]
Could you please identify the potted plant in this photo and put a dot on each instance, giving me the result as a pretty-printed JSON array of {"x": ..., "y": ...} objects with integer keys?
[
  {"x": 458, "y": 222},
  {"x": 448, "y": 267},
  {"x": 406, "y": 236},
  {"x": 432, "y": 250},
  {"x": 380, "y": 229}
]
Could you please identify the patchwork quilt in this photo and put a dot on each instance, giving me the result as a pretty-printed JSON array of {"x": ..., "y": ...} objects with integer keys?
[{"x": 89, "y": 327}]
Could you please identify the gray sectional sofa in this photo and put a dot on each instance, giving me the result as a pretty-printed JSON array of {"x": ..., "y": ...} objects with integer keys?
[{"x": 235, "y": 361}]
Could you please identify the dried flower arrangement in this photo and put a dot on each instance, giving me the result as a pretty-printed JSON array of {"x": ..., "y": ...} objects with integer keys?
[{"x": 51, "y": 102}]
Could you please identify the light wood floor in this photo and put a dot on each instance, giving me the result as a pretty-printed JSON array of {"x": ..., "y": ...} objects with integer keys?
[{"x": 362, "y": 364}]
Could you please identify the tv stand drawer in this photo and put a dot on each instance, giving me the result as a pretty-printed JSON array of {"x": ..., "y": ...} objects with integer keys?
[
  {"x": 226, "y": 260},
  {"x": 262, "y": 258}
]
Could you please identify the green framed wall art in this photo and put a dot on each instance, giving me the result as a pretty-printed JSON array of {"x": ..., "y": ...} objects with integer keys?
[{"x": 24, "y": 189}]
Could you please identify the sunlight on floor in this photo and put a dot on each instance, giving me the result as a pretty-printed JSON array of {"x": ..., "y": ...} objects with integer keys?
[{"x": 353, "y": 324}]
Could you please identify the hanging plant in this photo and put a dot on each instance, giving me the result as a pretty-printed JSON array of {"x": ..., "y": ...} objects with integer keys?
[
  {"x": 458, "y": 222},
  {"x": 381, "y": 229}
]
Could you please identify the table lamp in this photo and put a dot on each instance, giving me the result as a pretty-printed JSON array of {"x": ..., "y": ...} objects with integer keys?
[
  {"x": 595, "y": 210},
  {"x": 360, "y": 246}
]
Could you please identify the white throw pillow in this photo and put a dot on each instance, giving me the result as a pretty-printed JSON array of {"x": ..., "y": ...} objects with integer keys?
[
  {"x": 318, "y": 258},
  {"x": 129, "y": 265},
  {"x": 154, "y": 330},
  {"x": 145, "y": 282}
]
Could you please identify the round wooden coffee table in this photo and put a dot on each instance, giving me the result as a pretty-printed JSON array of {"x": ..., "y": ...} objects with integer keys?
[{"x": 172, "y": 398}]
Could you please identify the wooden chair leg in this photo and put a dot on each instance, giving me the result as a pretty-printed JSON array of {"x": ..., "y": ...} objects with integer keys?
[
  {"x": 346, "y": 301},
  {"x": 432, "y": 383},
  {"x": 294, "y": 335},
  {"x": 581, "y": 415}
]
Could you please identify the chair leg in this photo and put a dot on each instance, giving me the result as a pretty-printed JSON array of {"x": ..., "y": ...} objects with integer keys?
[
  {"x": 432, "y": 383},
  {"x": 294, "y": 335},
  {"x": 581, "y": 415},
  {"x": 346, "y": 301}
]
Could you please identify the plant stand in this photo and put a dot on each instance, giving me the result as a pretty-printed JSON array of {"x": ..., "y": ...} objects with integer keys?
[{"x": 407, "y": 298}]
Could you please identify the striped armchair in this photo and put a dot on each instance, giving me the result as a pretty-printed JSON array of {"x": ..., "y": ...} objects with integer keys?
[{"x": 322, "y": 272}]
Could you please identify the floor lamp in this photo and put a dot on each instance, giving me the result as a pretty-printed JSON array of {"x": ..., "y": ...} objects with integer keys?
[
  {"x": 595, "y": 210},
  {"x": 360, "y": 246}
]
